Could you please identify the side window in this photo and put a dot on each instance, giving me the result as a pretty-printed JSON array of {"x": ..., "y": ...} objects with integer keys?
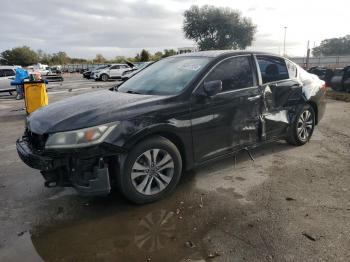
[
  {"x": 1, "y": 73},
  {"x": 8, "y": 72},
  {"x": 272, "y": 68},
  {"x": 292, "y": 69},
  {"x": 235, "y": 73},
  {"x": 114, "y": 67}
]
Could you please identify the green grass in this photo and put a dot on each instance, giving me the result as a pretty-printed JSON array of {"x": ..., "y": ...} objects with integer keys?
[{"x": 342, "y": 96}]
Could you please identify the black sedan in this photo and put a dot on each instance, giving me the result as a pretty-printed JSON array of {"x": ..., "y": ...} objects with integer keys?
[{"x": 177, "y": 114}]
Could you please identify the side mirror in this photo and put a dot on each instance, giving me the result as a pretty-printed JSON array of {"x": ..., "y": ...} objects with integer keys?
[{"x": 212, "y": 88}]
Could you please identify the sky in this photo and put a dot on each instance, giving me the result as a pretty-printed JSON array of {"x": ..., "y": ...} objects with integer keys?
[{"x": 124, "y": 27}]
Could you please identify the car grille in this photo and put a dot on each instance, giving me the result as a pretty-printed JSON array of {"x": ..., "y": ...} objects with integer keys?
[{"x": 37, "y": 142}]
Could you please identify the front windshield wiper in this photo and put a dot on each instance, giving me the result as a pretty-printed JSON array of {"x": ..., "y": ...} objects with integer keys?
[{"x": 132, "y": 92}]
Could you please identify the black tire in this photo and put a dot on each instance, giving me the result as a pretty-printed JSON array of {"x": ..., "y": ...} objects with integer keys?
[
  {"x": 104, "y": 77},
  {"x": 295, "y": 134},
  {"x": 128, "y": 186}
]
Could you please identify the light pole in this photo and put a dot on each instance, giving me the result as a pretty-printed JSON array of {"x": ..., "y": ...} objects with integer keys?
[{"x": 284, "y": 41}]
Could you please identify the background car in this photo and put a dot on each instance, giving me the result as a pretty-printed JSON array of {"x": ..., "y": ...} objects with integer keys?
[
  {"x": 341, "y": 80},
  {"x": 114, "y": 71},
  {"x": 129, "y": 73},
  {"x": 98, "y": 69},
  {"x": 7, "y": 74}
]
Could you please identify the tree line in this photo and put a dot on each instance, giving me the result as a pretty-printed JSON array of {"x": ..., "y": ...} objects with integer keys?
[{"x": 26, "y": 56}]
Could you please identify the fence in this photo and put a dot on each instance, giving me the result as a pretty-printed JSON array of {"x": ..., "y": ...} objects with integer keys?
[{"x": 327, "y": 61}]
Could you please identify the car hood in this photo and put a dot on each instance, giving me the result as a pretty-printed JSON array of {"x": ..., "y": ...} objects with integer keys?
[{"x": 91, "y": 109}]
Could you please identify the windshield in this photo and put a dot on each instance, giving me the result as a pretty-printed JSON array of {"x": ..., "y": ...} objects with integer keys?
[
  {"x": 166, "y": 77},
  {"x": 101, "y": 67}
]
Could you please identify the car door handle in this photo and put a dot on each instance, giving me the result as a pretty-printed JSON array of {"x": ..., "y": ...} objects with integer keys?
[{"x": 253, "y": 98}]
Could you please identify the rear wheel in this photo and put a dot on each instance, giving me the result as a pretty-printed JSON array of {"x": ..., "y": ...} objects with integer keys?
[
  {"x": 151, "y": 170},
  {"x": 302, "y": 128}
]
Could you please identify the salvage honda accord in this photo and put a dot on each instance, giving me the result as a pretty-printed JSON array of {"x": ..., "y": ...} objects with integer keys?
[{"x": 181, "y": 112}]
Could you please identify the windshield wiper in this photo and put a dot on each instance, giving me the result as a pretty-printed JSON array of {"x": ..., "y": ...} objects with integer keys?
[{"x": 132, "y": 92}]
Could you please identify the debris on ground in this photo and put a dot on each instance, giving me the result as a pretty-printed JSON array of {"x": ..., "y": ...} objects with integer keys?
[
  {"x": 213, "y": 255},
  {"x": 201, "y": 204},
  {"x": 309, "y": 236},
  {"x": 290, "y": 199},
  {"x": 21, "y": 233},
  {"x": 190, "y": 244}
]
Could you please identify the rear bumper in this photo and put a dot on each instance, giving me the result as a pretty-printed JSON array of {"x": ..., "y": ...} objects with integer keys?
[{"x": 88, "y": 176}]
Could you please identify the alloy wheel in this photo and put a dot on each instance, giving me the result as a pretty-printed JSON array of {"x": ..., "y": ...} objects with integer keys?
[
  {"x": 305, "y": 125},
  {"x": 152, "y": 171}
]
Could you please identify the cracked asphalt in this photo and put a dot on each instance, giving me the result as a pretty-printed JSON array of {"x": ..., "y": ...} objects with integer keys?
[{"x": 290, "y": 204}]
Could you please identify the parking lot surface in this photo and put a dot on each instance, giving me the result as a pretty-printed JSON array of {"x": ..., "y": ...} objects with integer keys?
[{"x": 290, "y": 204}]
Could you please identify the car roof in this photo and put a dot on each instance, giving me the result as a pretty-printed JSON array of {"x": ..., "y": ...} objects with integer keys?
[
  {"x": 218, "y": 53},
  {"x": 7, "y": 67}
]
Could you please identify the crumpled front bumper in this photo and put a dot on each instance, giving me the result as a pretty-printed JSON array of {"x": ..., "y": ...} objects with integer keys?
[{"x": 88, "y": 176}]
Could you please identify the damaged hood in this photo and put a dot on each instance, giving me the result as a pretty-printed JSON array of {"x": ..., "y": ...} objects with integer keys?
[{"x": 91, "y": 109}]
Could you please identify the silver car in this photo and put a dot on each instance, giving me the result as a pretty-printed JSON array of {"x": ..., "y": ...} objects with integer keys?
[{"x": 7, "y": 74}]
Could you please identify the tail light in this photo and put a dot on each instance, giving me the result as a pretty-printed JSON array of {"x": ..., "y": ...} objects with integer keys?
[{"x": 324, "y": 87}]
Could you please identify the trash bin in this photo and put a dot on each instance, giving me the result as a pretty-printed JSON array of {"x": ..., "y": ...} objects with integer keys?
[{"x": 35, "y": 95}]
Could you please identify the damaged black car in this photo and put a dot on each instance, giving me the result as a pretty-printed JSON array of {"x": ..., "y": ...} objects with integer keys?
[{"x": 180, "y": 112}]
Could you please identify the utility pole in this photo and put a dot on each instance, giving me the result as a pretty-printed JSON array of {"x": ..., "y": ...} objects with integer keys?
[
  {"x": 284, "y": 41},
  {"x": 307, "y": 55}
]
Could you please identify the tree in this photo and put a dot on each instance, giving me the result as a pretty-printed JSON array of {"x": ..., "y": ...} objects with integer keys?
[
  {"x": 157, "y": 56},
  {"x": 23, "y": 56},
  {"x": 119, "y": 59},
  {"x": 144, "y": 56},
  {"x": 333, "y": 46},
  {"x": 60, "y": 58},
  {"x": 99, "y": 59},
  {"x": 169, "y": 52},
  {"x": 218, "y": 28}
]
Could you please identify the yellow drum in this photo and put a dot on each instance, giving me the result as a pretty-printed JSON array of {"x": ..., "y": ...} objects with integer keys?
[{"x": 35, "y": 95}]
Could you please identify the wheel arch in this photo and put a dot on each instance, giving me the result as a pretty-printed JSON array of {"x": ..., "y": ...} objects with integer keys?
[
  {"x": 185, "y": 152},
  {"x": 315, "y": 108}
]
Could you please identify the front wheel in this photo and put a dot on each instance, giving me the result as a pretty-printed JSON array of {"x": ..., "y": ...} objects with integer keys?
[
  {"x": 104, "y": 77},
  {"x": 303, "y": 126},
  {"x": 151, "y": 170}
]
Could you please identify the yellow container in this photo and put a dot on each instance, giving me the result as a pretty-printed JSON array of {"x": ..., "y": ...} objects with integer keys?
[{"x": 35, "y": 95}]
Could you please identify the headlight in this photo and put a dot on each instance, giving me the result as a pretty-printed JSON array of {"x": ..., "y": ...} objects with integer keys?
[{"x": 80, "y": 138}]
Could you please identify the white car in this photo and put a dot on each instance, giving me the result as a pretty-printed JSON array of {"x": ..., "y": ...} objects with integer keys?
[
  {"x": 114, "y": 71},
  {"x": 7, "y": 74}
]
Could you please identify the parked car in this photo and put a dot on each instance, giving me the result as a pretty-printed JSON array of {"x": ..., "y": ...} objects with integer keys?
[
  {"x": 7, "y": 74},
  {"x": 131, "y": 72},
  {"x": 180, "y": 112},
  {"x": 323, "y": 73},
  {"x": 98, "y": 69},
  {"x": 114, "y": 71},
  {"x": 341, "y": 80}
]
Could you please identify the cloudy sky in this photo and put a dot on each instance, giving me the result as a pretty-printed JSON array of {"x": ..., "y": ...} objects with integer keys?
[{"x": 123, "y": 27}]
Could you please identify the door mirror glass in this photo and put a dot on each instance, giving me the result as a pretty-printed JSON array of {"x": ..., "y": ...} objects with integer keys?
[{"x": 212, "y": 88}]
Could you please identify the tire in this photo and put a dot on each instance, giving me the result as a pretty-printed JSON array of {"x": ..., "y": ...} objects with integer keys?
[
  {"x": 140, "y": 181},
  {"x": 104, "y": 77},
  {"x": 303, "y": 126}
]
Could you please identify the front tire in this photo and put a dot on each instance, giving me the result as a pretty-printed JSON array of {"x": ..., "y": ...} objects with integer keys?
[
  {"x": 303, "y": 126},
  {"x": 104, "y": 77},
  {"x": 150, "y": 171}
]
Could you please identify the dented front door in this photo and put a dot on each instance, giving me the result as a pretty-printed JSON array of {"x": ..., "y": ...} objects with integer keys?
[{"x": 279, "y": 100}]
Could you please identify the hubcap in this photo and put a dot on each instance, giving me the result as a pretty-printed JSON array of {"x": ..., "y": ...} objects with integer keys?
[
  {"x": 305, "y": 125},
  {"x": 152, "y": 171}
]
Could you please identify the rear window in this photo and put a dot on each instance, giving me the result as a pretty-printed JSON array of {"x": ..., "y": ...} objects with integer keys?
[{"x": 272, "y": 68}]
